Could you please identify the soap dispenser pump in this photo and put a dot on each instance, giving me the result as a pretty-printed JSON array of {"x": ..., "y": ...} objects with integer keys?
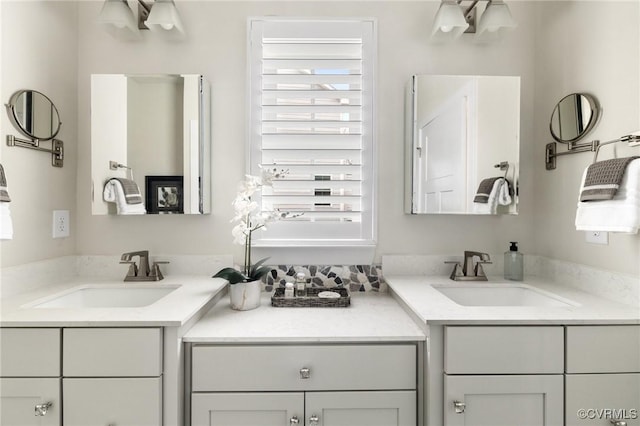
[{"x": 513, "y": 263}]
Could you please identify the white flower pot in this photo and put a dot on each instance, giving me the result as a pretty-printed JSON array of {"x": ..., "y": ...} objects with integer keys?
[{"x": 245, "y": 296}]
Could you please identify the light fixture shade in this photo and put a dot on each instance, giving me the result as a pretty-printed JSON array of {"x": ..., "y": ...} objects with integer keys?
[
  {"x": 495, "y": 17},
  {"x": 164, "y": 15},
  {"x": 118, "y": 14},
  {"x": 449, "y": 20}
]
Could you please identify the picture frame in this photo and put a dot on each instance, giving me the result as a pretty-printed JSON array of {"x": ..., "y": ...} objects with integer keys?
[{"x": 164, "y": 194}]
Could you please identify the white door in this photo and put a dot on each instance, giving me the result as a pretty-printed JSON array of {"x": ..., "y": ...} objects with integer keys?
[
  {"x": 247, "y": 409},
  {"x": 604, "y": 397},
  {"x": 395, "y": 408},
  {"x": 526, "y": 400},
  {"x": 117, "y": 401},
  {"x": 20, "y": 398},
  {"x": 443, "y": 140}
]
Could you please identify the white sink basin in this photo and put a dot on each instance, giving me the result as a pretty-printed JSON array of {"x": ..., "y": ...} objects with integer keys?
[
  {"x": 106, "y": 296},
  {"x": 500, "y": 295}
]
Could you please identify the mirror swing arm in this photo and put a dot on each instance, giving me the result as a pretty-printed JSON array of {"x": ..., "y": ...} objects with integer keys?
[
  {"x": 551, "y": 151},
  {"x": 56, "y": 150}
]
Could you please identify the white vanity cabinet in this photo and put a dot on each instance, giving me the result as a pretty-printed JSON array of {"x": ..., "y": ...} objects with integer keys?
[
  {"x": 112, "y": 376},
  {"x": 603, "y": 375},
  {"x": 30, "y": 376},
  {"x": 323, "y": 385},
  {"x": 502, "y": 375}
]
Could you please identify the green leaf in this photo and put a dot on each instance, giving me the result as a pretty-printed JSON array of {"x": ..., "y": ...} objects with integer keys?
[
  {"x": 258, "y": 273},
  {"x": 232, "y": 275},
  {"x": 254, "y": 268}
]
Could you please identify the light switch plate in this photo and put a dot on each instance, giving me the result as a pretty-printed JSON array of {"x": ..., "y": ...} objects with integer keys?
[{"x": 597, "y": 237}]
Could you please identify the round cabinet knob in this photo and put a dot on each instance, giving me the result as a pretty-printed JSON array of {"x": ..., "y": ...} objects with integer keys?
[
  {"x": 305, "y": 373},
  {"x": 294, "y": 421},
  {"x": 41, "y": 409},
  {"x": 459, "y": 406},
  {"x": 314, "y": 420},
  {"x": 615, "y": 422}
]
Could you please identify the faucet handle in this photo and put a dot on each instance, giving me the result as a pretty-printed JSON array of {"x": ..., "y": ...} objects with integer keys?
[
  {"x": 479, "y": 271},
  {"x": 457, "y": 269},
  {"x": 155, "y": 270},
  {"x": 133, "y": 268}
]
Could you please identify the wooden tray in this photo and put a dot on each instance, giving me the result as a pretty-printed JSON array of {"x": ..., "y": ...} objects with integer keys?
[{"x": 312, "y": 300}]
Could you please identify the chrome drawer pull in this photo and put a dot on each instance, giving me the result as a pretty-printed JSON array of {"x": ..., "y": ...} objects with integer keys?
[
  {"x": 305, "y": 373},
  {"x": 314, "y": 420},
  {"x": 459, "y": 406},
  {"x": 41, "y": 409},
  {"x": 616, "y": 422},
  {"x": 294, "y": 421}
]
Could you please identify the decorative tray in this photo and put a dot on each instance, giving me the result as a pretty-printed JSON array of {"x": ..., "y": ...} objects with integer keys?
[{"x": 312, "y": 300}]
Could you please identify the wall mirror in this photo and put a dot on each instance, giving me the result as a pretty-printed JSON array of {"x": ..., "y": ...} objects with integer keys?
[
  {"x": 34, "y": 115},
  {"x": 154, "y": 130},
  {"x": 573, "y": 117},
  {"x": 461, "y": 132}
]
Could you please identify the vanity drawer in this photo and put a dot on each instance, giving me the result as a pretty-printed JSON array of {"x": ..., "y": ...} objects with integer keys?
[
  {"x": 276, "y": 368},
  {"x": 504, "y": 350},
  {"x": 112, "y": 352},
  {"x": 611, "y": 349},
  {"x": 29, "y": 352}
]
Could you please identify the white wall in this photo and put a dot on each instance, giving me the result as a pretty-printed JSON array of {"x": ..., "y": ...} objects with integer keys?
[
  {"x": 39, "y": 52},
  {"x": 557, "y": 47},
  {"x": 216, "y": 47},
  {"x": 591, "y": 47}
]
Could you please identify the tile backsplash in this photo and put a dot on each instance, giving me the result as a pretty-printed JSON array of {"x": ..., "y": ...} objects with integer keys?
[{"x": 353, "y": 277}]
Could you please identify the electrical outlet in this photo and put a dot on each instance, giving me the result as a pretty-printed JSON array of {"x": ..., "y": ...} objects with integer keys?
[
  {"x": 597, "y": 237},
  {"x": 60, "y": 223}
]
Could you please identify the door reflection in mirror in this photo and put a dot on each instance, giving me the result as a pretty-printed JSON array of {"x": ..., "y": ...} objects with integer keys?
[{"x": 458, "y": 129}]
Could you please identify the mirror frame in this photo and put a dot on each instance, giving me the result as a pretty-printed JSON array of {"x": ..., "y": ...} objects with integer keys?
[
  {"x": 13, "y": 116},
  {"x": 595, "y": 116}
]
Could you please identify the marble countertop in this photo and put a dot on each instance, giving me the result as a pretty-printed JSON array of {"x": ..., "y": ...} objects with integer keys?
[
  {"x": 372, "y": 317},
  {"x": 429, "y": 306},
  {"x": 194, "y": 294}
]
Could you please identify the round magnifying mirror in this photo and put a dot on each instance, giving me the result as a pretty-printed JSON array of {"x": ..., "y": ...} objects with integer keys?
[
  {"x": 34, "y": 115},
  {"x": 573, "y": 117}
]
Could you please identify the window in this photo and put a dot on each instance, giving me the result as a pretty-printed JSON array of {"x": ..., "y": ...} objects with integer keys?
[{"x": 311, "y": 114}]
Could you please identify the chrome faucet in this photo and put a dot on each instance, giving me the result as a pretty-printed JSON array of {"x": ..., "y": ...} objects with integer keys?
[
  {"x": 467, "y": 271},
  {"x": 142, "y": 272}
]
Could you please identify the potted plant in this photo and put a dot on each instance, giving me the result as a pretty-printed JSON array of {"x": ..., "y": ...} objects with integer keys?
[{"x": 245, "y": 284}]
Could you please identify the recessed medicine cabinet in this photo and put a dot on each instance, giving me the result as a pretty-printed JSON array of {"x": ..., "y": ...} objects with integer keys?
[
  {"x": 460, "y": 131},
  {"x": 151, "y": 128}
]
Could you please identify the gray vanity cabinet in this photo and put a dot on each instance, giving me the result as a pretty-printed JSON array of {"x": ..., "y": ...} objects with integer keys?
[
  {"x": 603, "y": 375},
  {"x": 30, "y": 376},
  {"x": 503, "y": 376},
  {"x": 313, "y": 385}
]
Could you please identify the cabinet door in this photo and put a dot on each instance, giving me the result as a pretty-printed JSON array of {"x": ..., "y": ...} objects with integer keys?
[
  {"x": 394, "y": 408},
  {"x": 524, "y": 400},
  {"x": 19, "y": 398},
  {"x": 247, "y": 409},
  {"x": 118, "y": 401},
  {"x": 598, "y": 399}
]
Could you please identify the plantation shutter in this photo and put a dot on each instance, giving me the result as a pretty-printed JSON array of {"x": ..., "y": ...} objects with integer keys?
[{"x": 312, "y": 115}]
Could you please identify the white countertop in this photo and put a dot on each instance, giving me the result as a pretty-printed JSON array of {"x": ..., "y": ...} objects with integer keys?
[
  {"x": 428, "y": 305},
  {"x": 174, "y": 309},
  {"x": 372, "y": 317}
]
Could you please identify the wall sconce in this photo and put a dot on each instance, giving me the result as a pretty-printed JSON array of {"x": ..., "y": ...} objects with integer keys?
[
  {"x": 160, "y": 15},
  {"x": 451, "y": 20}
]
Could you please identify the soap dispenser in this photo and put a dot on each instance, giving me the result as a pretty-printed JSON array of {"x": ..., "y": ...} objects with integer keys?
[{"x": 513, "y": 263}]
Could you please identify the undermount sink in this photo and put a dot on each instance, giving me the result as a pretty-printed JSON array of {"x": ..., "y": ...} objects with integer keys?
[
  {"x": 501, "y": 295},
  {"x": 106, "y": 296}
]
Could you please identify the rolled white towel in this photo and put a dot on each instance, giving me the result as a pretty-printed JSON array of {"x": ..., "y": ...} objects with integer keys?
[{"x": 499, "y": 195}]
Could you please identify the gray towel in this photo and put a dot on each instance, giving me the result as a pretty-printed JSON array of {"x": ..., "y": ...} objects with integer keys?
[
  {"x": 484, "y": 189},
  {"x": 603, "y": 179},
  {"x": 4, "y": 194},
  {"x": 131, "y": 191}
]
